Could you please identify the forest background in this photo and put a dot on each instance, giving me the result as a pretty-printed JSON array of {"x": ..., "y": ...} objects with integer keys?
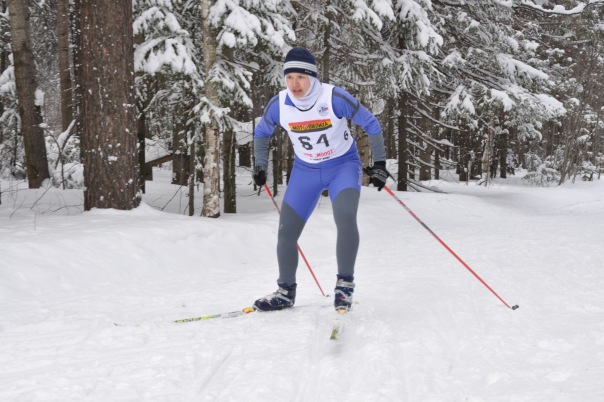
[{"x": 94, "y": 94}]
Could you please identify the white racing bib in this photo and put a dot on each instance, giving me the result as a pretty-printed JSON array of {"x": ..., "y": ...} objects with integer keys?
[{"x": 317, "y": 134}]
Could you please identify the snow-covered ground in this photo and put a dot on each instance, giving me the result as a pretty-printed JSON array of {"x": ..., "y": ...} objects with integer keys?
[{"x": 424, "y": 329}]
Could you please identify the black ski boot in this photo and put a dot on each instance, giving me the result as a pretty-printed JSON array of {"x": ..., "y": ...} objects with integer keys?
[
  {"x": 284, "y": 297},
  {"x": 343, "y": 293}
]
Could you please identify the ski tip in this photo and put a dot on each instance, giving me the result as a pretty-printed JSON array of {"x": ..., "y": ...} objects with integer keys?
[
  {"x": 248, "y": 310},
  {"x": 334, "y": 333}
]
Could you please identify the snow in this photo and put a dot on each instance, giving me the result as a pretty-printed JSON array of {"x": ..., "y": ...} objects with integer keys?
[
  {"x": 424, "y": 329},
  {"x": 363, "y": 11},
  {"x": 461, "y": 99},
  {"x": 559, "y": 9},
  {"x": 513, "y": 67},
  {"x": 504, "y": 98}
]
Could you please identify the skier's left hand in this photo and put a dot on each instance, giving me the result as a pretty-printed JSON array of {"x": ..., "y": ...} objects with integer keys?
[
  {"x": 378, "y": 174},
  {"x": 259, "y": 176}
]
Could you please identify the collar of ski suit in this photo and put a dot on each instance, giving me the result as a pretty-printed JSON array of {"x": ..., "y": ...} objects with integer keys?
[{"x": 308, "y": 100}]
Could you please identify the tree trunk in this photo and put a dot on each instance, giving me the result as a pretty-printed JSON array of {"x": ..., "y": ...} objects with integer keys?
[
  {"x": 389, "y": 136},
  {"x": 141, "y": 135},
  {"x": 3, "y": 60},
  {"x": 425, "y": 170},
  {"x": 549, "y": 131},
  {"x": 245, "y": 155},
  {"x": 25, "y": 79},
  {"x": 462, "y": 165},
  {"x": 229, "y": 150},
  {"x": 211, "y": 165},
  {"x": 191, "y": 178},
  {"x": 290, "y": 161},
  {"x": 211, "y": 174},
  {"x": 2, "y": 68},
  {"x": 488, "y": 149},
  {"x": 403, "y": 169},
  {"x": 326, "y": 59},
  {"x": 274, "y": 145},
  {"x": 364, "y": 149},
  {"x": 229, "y": 157},
  {"x": 109, "y": 142},
  {"x": 76, "y": 54},
  {"x": 436, "y": 164},
  {"x": 180, "y": 150},
  {"x": 63, "y": 23},
  {"x": 597, "y": 146},
  {"x": 503, "y": 155},
  {"x": 142, "y": 130}
]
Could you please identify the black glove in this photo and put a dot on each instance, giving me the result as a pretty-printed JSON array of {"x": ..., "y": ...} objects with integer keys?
[
  {"x": 378, "y": 174},
  {"x": 259, "y": 176}
]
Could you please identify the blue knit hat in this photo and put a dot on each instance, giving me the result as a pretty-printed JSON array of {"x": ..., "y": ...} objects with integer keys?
[{"x": 300, "y": 60}]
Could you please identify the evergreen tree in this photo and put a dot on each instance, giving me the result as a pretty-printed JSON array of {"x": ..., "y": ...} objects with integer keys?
[
  {"x": 168, "y": 80},
  {"x": 574, "y": 45}
]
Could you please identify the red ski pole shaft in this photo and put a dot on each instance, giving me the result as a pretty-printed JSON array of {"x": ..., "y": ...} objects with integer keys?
[
  {"x": 268, "y": 191},
  {"x": 448, "y": 248}
]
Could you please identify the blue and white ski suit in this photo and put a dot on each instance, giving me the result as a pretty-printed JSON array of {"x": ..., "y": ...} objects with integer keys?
[{"x": 326, "y": 157}]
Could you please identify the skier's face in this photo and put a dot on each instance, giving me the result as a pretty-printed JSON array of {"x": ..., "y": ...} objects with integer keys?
[{"x": 298, "y": 84}]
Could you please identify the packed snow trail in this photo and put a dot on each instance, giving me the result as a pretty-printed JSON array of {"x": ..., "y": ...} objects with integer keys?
[{"x": 425, "y": 329}]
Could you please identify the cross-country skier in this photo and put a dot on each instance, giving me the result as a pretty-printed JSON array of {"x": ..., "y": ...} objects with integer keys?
[{"x": 314, "y": 115}]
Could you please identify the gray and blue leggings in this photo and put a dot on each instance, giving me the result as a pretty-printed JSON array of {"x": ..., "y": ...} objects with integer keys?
[{"x": 343, "y": 181}]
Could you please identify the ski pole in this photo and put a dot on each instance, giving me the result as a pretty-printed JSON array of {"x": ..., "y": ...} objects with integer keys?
[
  {"x": 268, "y": 191},
  {"x": 448, "y": 248}
]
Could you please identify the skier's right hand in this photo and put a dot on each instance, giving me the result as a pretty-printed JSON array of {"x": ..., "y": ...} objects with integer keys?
[{"x": 259, "y": 176}]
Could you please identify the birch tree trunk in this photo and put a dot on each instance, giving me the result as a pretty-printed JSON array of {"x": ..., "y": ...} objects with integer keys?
[
  {"x": 36, "y": 162},
  {"x": 211, "y": 165},
  {"x": 109, "y": 143}
]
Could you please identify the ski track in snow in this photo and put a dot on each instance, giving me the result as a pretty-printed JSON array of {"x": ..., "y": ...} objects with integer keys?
[{"x": 424, "y": 329}]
